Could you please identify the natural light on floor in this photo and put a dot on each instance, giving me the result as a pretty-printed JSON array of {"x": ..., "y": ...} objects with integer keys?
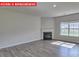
[{"x": 64, "y": 44}]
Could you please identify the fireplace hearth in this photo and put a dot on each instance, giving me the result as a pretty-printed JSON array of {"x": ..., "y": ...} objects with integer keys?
[{"x": 47, "y": 35}]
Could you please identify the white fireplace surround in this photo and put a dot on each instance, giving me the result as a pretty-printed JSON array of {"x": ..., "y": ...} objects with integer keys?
[{"x": 47, "y": 25}]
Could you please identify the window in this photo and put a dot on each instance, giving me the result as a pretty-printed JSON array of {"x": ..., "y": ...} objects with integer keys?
[
  {"x": 69, "y": 29},
  {"x": 64, "y": 28}
]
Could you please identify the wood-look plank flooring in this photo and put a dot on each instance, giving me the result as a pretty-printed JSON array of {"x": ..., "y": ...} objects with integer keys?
[{"x": 41, "y": 48}]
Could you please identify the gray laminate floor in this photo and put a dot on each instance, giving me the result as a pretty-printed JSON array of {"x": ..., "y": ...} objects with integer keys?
[{"x": 40, "y": 49}]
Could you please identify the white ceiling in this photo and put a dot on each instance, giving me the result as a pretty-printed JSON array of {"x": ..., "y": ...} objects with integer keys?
[{"x": 45, "y": 9}]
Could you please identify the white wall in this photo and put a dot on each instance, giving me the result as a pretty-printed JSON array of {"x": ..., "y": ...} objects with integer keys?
[
  {"x": 17, "y": 28},
  {"x": 47, "y": 25},
  {"x": 68, "y": 18}
]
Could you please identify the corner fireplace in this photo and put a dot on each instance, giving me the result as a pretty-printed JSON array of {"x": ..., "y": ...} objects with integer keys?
[{"x": 47, "y": 35}]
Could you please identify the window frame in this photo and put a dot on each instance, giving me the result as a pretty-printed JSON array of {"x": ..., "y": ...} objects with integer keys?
[{"x": 73, "y": 29}]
